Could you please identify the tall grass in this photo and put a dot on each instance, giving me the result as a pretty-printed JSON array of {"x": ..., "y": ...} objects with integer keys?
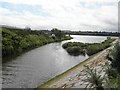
[
  {"x": 94, "y": 79},
  {"x": 111, "y": 77}
]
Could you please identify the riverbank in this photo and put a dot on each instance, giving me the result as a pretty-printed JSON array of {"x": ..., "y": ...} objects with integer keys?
[
  {"x": 73, "y": 77},
  {"x": 18, "y": 41},
  {"x": 53, "y": 83},
  {"x": 10, "y": 57},
  {"x": 63, "y": 75}
]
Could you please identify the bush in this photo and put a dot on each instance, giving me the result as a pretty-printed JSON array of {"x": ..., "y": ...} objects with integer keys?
[
  {"x": 114, "y": 57},
  {"x": 113, "y": 84},
  {"x": 75, "y": 50}
]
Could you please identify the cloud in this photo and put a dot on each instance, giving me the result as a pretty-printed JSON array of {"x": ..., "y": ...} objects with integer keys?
[
  {"x": 63, "y": 14},
  {"x": 45, "y": 2},
  {"x": 4, "y": 11}
]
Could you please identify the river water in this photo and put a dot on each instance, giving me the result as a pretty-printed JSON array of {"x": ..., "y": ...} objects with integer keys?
[{"x": 39, "y": 65}]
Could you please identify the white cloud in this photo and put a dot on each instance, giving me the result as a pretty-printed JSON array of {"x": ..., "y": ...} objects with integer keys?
[
  {"x": 66, "y": 14},
  {"x": 4, "y": 11},
  {"x": 39, "y": 2}
]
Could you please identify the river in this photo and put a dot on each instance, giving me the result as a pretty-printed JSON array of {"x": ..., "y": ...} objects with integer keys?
[{"x": 39, "y": 65}]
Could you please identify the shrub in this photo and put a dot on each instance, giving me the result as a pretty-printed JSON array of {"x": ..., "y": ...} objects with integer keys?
[
  {"x": 94, "y": 78},
  {"x": 114, "y": 57},
  {"x": 113, "y": 84},
  {"x": 74, "y": 50}
]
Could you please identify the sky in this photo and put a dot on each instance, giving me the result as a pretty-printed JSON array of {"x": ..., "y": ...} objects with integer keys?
[{"x": 95, "y": 15}]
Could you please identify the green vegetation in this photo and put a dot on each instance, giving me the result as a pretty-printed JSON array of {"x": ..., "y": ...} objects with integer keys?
[
  {"x": 74, "y": 48},
  {"x": 114, "y": 57},
  {"x": 77, "y": 48},
  {"x": 57, "y": 32},
  {"x": 95, "y": 80},
  {"x": 111, "y": 78},
  {"x": 16, "y": 41},
  {"x": 94, "y": 48}
]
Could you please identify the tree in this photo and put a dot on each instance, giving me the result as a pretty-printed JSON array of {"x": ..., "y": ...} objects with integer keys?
[{"x": 58, "y": 33}]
